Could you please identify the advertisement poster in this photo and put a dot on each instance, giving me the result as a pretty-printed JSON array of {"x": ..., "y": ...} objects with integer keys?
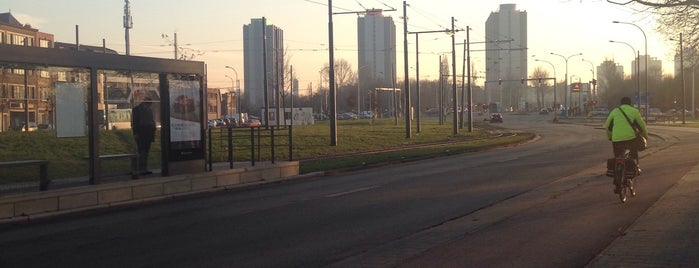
[
  {"x": 185, "y": 117},
  {"x": 70, "y": 109}
]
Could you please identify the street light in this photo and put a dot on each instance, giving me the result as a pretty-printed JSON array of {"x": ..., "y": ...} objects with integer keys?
[
  {"x": 592, "y": 67},
  {"x": 592, "y": 80},
  {"x": 645, "y": 40},
  {"x": 638, "y": 76},
  {"x": 684, "y": 95},
  {"x": 237, "y": 94},
  {"x": 555, "y": 112},
  {"x": 567, "y": 98},
  {"x": 228, "y": 100}
]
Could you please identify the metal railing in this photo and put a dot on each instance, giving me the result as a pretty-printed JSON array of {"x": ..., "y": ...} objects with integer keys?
[{"x": 247, "y": 144}]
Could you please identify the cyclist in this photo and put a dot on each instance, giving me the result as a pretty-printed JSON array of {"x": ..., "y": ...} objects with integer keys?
[{"x": 622, "y": 134}]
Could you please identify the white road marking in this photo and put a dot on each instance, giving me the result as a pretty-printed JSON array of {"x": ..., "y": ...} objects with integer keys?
[{"x": 353, "y": 191}]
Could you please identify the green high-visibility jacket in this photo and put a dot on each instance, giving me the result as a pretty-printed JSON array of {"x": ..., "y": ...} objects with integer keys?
[{"x": 619, "y": 129}]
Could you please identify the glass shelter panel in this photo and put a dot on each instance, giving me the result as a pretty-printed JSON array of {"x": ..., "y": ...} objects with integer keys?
[
  {"x": 43, "y": 115},
  {"x": 119, "y": 92}
]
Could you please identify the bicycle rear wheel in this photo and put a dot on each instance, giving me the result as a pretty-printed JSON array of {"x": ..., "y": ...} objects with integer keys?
[{"x": 619, "y": 170}]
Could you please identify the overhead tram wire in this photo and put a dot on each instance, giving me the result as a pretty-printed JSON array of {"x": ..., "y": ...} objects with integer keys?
[{"x": 325, "y": 5}]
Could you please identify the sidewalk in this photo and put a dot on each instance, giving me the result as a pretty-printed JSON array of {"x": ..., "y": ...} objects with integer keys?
[{"x": 667, "y": 235}]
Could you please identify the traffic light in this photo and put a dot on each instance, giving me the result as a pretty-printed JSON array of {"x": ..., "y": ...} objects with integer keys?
[{"x": 576, "y": 86}]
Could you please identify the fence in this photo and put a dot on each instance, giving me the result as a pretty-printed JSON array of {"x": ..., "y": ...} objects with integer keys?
[{"x": 253, "y": 144}]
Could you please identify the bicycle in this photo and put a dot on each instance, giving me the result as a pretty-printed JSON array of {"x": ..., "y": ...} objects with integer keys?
[{"x": 624, "y": 176}]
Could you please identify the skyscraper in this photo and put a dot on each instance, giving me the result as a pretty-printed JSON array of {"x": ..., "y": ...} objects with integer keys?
[
  {"x": 377, "y": 51},
  {"x": 256, "y": 69},
  {"x": 506, "y": 56}
]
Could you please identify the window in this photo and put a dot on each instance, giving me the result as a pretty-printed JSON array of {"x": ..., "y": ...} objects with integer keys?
[
  {"x": 2, "y": 38},
  {"x": 44, "y": 93},
  {"x": 17, "y": 92},
  {"x": 44, "y": 74},
  {"x": 32, "y": 93},
  {"x": 45, "y": 43},
  {"x": 61, "y": 76}
]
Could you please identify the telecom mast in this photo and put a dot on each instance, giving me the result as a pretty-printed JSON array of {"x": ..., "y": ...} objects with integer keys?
[{"x": 128, "y": 24}]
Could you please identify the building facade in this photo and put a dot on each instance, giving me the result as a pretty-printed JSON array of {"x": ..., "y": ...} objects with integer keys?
[
  {"x": 377, "y": 53},
  {"x": 506, "y": 56},
  {"x": 262, "y": 40},
  {"x": 655, "y": 67},
  {"x": 24, "y": 94}
]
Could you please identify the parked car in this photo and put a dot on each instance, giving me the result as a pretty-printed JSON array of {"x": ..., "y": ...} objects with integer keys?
[
  {"x": 600, "y": 112},
  {"x": 251, "y": 123},
  {"x": 496, "y": 118},
  {"x": 347, "y": 116},
  {"x": 366, "y": 115},
  {"x": 32, "y": 127}
]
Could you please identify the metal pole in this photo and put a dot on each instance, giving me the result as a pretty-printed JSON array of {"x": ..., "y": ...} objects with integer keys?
[
  {"x": 463, "y": 87},
  {"x": 645, "y": 39},
  {"x": 638, "y": 66},
  {"x": 331, "y": 63},
  {"x": 468, "y": 71},
  {"x": 568, "y": 93},
  {"x": 264, "y": 71},
  {"x": 417, "y": 81},
  {"x": 408, "y": 114},
  {"x": 453, "y": 67},
  {"x": 128, "y": 24},
  {"x": 395, "y": 98},
  {"x": 683, "y": 81}
]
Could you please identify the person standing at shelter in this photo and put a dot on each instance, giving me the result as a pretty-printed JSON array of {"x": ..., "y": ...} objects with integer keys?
[{"x": 143, "y": 126}]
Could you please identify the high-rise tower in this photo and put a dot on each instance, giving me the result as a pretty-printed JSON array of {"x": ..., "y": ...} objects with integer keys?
[
  {"x": 506, "y": 56},
  {"x": 255, "y": 50},
  {"x": 377, "y": 51}
]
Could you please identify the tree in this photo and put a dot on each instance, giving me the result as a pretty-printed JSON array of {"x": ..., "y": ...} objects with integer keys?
[
  {"x": 539, "y": 85},
  {"x": 673, "y": 17},
  {"x": 343, "y": 77}
]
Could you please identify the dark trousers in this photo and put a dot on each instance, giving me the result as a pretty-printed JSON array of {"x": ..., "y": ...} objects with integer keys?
[
  {"x": 620, "y": 146},
  {"x": 143, "y": 151}
]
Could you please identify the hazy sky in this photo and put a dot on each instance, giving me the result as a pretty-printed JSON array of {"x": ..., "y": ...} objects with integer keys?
[{"x": 213, "y": 28}]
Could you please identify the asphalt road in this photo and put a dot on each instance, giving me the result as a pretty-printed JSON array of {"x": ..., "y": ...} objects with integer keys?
[{"x": 543, "y": 204}]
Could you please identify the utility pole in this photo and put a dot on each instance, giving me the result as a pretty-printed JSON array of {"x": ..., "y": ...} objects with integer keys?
[
  {"x": 264, "y": 70},
  {"x": 468, "y": 71},
  {"x": 408, "y": 114},
  {"x": 331, "y": 76},
  {"x": 453, "y": 67}
]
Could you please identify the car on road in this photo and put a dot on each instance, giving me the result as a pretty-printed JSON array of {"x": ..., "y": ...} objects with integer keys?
[
  {"x": 496, "y": 118},
  {"x": 251, "y": 123}
]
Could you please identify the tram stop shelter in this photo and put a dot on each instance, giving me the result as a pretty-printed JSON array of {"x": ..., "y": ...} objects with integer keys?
[{"x": 86, "y": 97}]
